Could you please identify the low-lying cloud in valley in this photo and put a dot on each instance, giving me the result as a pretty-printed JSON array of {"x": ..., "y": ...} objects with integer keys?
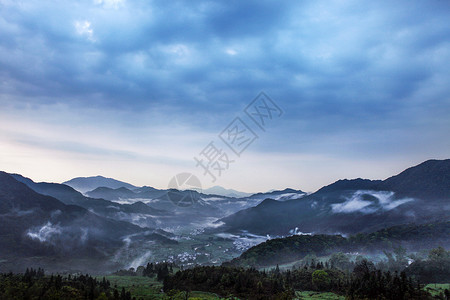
[{"x": 44, "y": 233}]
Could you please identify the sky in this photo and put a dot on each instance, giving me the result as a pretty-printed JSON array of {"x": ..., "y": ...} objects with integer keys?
[{"x": 135, "y": 90}]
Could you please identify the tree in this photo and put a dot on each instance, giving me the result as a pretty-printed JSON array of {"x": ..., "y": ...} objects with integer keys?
[
  {"x": 320, "y": 279},
  {"x": 363, "y": 268},
  {"x": 341, "y": 261},
  {"x": 102, "y": 297},
  {"x": 310, "y": 259},
  {"x": 398, "y": 260},
  {"x": 439, "y": 254}
]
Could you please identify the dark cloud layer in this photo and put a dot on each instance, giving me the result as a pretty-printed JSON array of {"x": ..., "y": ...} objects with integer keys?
[{"x": 371, "y": 77}]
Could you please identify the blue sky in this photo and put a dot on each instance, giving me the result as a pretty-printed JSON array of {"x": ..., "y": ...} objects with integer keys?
[{"x": 135, "y": 89}]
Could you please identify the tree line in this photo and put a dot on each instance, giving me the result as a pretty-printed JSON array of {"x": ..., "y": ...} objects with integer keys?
[
  {"x": 160, "y": 270},
  {"x": 360, "y": 279},
  {"x": 33, "y": 284}
]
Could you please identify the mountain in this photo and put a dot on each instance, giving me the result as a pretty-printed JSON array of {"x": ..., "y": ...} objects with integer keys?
[
  {"x": 203, "y": 205},
  {"x": 112, "y": 194},
  {"x": 137, "y": 212},
  {"x": 417, "y": 195},
  {"x": 145, "y": 206},
  {"x": 40, "y": 230},
  {"x": 34, "y": 224},
  {"x": 85, "y": 184},
  {"x": 62, "y": 192},
  {"x": 346, "y": 184},
  {"x": 220, "y": 191},
  {"x": 429, "y": 180},
  {"x": 126, "y": 194},
  {"x": 279, "y": 195}
]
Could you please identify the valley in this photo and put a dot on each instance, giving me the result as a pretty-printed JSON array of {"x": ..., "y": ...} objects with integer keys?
[{"x": 118, "y": 229}]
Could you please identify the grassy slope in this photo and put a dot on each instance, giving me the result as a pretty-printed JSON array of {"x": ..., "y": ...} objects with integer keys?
[
  {"x": 140, "y": 287},
  {"x": 148, "y": 288},
  {"x": 436, "y": 289},
  {"x": 307, "y": 295}
]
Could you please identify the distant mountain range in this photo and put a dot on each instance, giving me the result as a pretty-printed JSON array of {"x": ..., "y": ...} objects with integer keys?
[
  {"x": 94, "y": 187},
  {"x": 85, "y": 184},
  {"x": 113, "y": 219},
  {"x": 418, "y": 194},
  {"x": 283, "y": 195},
  {"x": 33, "y": 224},
  {"x": 143, "y": 206},
  {"x": 220, "y": 191},
  {"x": 205, "y": 204},
  {"x": 112, "y": 189},
  {"x": 124, "y": 193},
  {"x": 100, "y": 206}
]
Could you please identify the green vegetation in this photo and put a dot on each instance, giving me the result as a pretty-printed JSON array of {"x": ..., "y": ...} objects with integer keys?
[
  {"x": 202, "y": 295},
  {"x": 320, "y": 279},
  {"x": 230, "y": 281},
  {"x": 33, "y": 284},
  {"x": 365, "y": 282},
  {"x": 435, "y": 269},
  {"x": 338, "y": 277},
  {"x": 310, "y": 295},
  {"x": 278, "y": 251},
  {"x": 315, "y": 278},
  {"x": 193, "y": 295},
  {"x": 294, "y": 248},
  {"x": 160, "y": 270},
  {"x": 139, "y": 287},
  {"x": 437, "y": 289}
]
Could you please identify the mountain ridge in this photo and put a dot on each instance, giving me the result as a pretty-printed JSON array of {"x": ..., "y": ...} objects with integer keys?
[
  {"x": 85, "y": 184},
  {"x": 221, "y": 191},
  {"x": 55, "y": 220},
  {"x": 354, "y": 205}
]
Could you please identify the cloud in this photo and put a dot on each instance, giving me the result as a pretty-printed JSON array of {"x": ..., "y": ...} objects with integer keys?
[
  {"x": 387, "y": 200},
  {"x": 358, "y": 81},
  {"x": 44, "y": 233},
  {"x": 110, "y": 3},
  {"x": 141, "y": 260},
  {"x": 84, "y": 28},
  {"x": 354, "y": 204},
  {"x": 381, "y": 200},
  {"x": 231, "y": 52},
  {"x": 66, "y": 237}
]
